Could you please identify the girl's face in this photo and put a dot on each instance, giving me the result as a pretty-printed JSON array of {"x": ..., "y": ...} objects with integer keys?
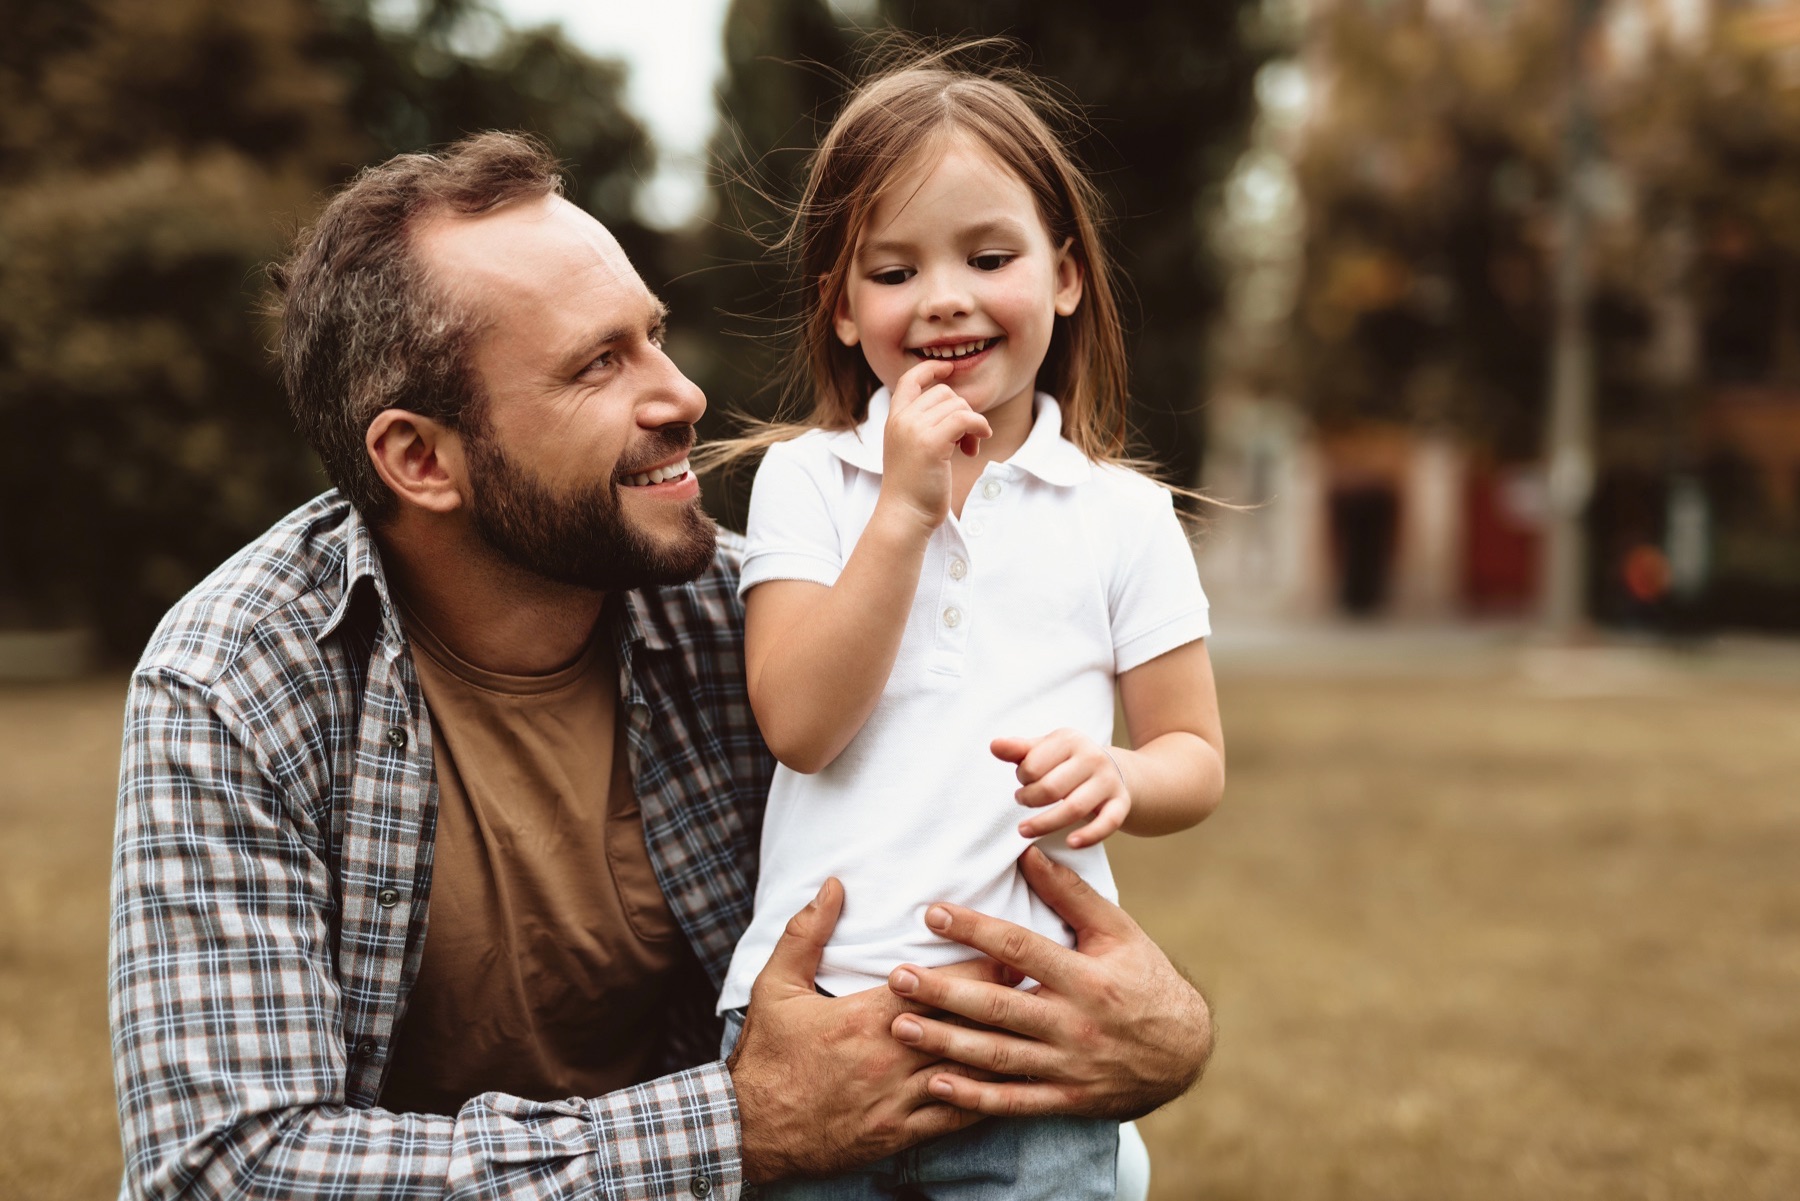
[{"x": 955, "y": 263}]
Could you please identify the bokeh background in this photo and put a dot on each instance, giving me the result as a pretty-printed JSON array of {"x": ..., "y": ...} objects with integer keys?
[{"x": 1485, "y": 314}]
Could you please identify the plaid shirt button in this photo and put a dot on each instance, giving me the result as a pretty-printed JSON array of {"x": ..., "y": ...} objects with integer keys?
[
  {"x": 700, "y": 1186},
  {"x": 365, "y": 1050},
  {"x": 396, "y": 738},
  {"x": 388, "y": 897}
]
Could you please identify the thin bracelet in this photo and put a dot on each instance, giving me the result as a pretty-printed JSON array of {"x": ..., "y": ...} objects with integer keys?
[{"x": 1109, "y": 757}]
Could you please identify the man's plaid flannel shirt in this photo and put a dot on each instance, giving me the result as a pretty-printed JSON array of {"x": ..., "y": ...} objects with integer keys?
[{"x": 277, "y": 804}]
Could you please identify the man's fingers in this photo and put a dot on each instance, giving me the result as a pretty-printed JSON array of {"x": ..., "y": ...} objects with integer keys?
[
  {"x": 991, "y": 1051},
  {"x": 795, "y": 960},
  {"x": 1017, "y": 947},
  {"x": 1014, "y": 1098},
  {"x": 1073, "y": 898},
  {"x": 929, "y": 1121}
]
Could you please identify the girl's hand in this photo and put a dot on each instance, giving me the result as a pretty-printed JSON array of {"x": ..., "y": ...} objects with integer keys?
[
  {"x": 1071, "y": 778},
  {"x": 927, "y": 423}
]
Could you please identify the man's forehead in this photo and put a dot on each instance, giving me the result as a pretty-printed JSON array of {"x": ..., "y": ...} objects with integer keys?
[{"x": 524, "y": 247}]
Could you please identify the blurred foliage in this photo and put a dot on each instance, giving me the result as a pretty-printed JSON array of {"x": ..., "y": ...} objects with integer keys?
[
  {"x": 1429, "y": 170},
  {"x": 1427, "y": 173},
  {"x": 152, "y": 157},
  {"x": 1166, "y": 86}
]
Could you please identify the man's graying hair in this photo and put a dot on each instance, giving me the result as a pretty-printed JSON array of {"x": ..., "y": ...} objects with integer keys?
[{"x": 363, "y": 328}]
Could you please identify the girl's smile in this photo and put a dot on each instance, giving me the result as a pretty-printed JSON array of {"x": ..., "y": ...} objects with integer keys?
[{"x": 955, "y": 264}]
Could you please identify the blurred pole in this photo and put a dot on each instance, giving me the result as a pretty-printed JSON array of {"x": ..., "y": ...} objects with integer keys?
[{"x": 1569, "y": 432}]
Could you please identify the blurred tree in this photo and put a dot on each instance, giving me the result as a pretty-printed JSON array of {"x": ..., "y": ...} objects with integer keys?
[
  {"x": 1166, "y": 84},
  {"x": 786, "y": 64},
  {"x": 1428, "y": 169},
  {"x": 458, "y": 68},
  {"x": 150, "y": 157},
  {"x": 147, "y": 149}
]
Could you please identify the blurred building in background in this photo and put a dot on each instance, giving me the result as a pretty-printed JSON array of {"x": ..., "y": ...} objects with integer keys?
[{"x": 1386, "y": 360}]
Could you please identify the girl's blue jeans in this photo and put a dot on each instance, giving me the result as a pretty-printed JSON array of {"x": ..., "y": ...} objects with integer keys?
[{"x": 1000, "y": 1159}]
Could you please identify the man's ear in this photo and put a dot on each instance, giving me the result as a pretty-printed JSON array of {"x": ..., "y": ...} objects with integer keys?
[
  {"x": 1069, "y": 279},
  {"x": 841, "y": 320},
  {"x": 420, "y": 459}
]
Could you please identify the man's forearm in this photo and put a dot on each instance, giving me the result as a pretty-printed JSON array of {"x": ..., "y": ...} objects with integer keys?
[{"x": 678, "y": 1134}]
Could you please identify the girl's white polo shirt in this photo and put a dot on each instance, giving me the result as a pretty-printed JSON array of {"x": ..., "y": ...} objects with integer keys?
[{"x": 1058, "y": 576}]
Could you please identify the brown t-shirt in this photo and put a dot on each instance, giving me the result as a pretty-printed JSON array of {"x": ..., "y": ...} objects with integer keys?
[{"x": 549, "y": 949}]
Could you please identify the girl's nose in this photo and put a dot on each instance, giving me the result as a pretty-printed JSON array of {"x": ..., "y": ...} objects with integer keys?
[{"x": 944, "y": 297}]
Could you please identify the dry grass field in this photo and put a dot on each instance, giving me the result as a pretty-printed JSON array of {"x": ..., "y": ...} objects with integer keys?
[{"x": 1467, "y": 938}]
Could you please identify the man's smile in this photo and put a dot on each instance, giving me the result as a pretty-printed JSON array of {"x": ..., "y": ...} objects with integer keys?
[{"x": 658, "y": 475}]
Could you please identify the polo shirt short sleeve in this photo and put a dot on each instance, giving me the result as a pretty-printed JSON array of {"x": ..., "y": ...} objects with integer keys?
[{"x": 793, "y": 531}]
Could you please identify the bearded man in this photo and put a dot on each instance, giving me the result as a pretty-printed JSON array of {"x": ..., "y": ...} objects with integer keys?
[{"x": 439, "y": 802}]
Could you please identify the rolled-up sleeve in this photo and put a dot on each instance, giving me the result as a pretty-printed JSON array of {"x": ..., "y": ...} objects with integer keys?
[{"x": 227, "y": 1014}]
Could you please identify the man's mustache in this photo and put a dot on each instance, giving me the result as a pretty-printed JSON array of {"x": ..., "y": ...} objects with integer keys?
[{"x": 659, "y": 446}]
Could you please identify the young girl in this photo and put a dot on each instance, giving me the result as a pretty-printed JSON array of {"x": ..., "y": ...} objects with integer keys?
[{"x": 948, "y": 575}]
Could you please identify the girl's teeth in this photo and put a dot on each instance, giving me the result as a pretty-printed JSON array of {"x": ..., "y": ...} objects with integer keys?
[
  {"x": 960, "y": 351},
  {"x": 671, "y": 472}
]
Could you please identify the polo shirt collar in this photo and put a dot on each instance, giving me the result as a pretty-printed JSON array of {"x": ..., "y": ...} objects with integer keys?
[{"x": 1045, "y": 453}]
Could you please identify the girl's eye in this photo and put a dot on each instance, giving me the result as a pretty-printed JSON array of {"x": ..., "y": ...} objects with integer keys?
[
  {"x": 990, "y": 262},
  {"x": 896, "y": 275}
]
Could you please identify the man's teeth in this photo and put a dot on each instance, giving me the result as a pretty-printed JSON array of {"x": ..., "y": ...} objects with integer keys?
[
  {"x": 960, "y": 350},
  {"x": 671, "y": 472}
]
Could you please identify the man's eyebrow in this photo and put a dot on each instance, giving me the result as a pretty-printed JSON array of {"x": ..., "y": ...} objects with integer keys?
[
  {"x": 1000, "y": 227},
  {"x": 658, "y": 320}
]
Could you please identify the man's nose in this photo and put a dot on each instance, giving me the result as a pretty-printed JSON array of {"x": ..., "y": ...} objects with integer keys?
[{"x": 675, "y": 399}]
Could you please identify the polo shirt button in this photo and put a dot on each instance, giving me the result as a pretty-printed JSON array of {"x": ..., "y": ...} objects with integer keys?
[
  {"x": 958, "y": 569},
  {"x": 953, "y": 617},
  {"x": 991, "y": 489},
  {"x": 974, "y": 528},
  {"x": 388, "y": 897},
  {"x": 700, "y": 1186},
  {"x": 396, "y": 738}
]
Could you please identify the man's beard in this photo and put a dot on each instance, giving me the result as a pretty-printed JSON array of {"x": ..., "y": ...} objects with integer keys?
[{"x": 582, "y": 539}]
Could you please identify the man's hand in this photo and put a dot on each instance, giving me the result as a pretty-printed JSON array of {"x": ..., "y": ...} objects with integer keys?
[
  {"x": 821, "y": 1083},
  {"x": 1113, "y": 1030},
  {"x": 1071, "y": 778}
]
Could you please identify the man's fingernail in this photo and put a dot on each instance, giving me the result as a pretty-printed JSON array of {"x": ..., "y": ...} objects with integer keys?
[
  {"x": 938, "y": 918},
  {"x": 904, "y": 982},
  {"x": 940, "y": 1087},
  {"x": 908, "y": 1031}
]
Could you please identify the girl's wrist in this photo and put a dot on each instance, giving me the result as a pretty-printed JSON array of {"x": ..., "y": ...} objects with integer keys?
[{"x": 901, "y": 519}]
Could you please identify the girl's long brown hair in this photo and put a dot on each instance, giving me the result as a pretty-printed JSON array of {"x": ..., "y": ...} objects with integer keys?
[{"x": 911, "y": 103}]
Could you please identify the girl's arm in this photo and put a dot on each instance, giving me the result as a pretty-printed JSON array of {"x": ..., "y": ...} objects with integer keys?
[
  {"x": 1170, "y": 780},
  {"x": 818, "y": 657}
]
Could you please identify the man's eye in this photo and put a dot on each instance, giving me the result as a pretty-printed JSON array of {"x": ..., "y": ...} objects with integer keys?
[
  {"x": 658, "y": 335},
  {"x": 897, "y": 275},
  {"x": 601, "y": 361},
  {"x": 990, "y": 262}
]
